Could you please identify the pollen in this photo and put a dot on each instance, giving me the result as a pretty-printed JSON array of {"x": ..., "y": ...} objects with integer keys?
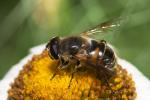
[{"x": 37, "y": 82}]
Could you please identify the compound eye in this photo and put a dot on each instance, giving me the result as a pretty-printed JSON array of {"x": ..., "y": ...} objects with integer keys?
[{"x": 53, "y": 46}]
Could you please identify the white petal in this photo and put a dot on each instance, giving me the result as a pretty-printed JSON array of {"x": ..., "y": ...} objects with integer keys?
[{"x": 142, "y": 83}]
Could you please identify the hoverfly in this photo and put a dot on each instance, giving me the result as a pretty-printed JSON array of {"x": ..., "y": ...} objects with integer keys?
[{"x": 83, "y": 50}]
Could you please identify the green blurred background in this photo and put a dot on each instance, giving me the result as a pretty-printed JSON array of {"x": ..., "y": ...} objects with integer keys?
[{"x": 27, "y": 23}]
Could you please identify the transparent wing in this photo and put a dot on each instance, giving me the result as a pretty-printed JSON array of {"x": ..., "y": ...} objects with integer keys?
[{"x": 105, "y": 27}]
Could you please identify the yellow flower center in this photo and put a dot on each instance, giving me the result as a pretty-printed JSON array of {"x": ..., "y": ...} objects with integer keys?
[{"x": 35, "y": 82}]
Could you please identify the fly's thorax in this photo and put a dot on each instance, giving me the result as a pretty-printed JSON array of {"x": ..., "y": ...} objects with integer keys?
[{"x": 73, "y": 45}]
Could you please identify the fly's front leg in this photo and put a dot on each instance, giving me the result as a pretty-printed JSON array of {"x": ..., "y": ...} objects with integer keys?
[
  {"x": 71, "y": 79},
  {"x": 55, "y": 71},
  {"x": 61, "y": 65},
  {"x": 73, "y": 71}
]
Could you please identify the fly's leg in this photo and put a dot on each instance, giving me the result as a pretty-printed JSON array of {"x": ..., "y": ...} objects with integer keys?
[
  {"x": 73, "y": 72},
  {"x": 61, "y": 65},
  {"x": 107, "y": 83},
  {"x": 112, "y": 91},
  {"x": 53, "y": 76},
  {"x": 55, "y": 72}
]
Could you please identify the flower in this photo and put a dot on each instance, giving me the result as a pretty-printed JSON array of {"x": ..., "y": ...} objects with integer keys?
[{"x": 34, "y": 81}]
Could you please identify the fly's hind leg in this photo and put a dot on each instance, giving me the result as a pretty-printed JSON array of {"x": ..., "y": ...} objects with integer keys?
[{"x": 106, "y": 79}]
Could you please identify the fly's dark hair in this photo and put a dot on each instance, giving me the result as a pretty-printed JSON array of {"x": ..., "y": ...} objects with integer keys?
[{"x": 83, "y": 51}]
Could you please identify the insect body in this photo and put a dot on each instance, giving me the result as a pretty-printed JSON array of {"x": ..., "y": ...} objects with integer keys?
[{"x": 83, "y": 51}]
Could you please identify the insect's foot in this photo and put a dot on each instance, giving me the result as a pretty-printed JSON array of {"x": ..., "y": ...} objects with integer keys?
[{"x": 53, "y": 76}]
